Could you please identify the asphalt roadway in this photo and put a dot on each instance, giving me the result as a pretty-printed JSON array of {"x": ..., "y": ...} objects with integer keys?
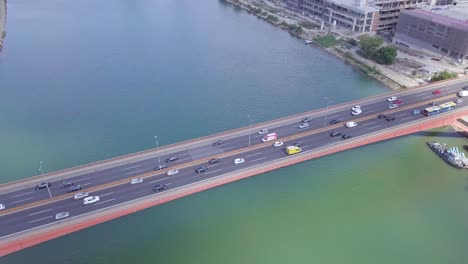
[{"x": 315, "y": 136}]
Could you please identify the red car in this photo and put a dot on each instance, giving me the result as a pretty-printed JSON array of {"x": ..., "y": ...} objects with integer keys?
[
  {"x": 436, "y": 92},
  {"x": 398, "y": 101}
]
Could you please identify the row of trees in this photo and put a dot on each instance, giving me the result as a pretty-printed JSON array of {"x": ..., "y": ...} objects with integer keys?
[{"x": 371, "y": 47}]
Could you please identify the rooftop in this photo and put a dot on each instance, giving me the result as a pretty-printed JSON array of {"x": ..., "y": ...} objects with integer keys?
[
  {"x": 353, "y": 5},
  {"x": 450, "y": 15}
]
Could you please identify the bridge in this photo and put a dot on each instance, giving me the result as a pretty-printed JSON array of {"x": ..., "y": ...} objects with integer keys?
[{"x": 30, "y": 216}]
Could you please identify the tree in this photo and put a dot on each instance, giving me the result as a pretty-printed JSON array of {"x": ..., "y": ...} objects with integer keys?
[
  {"x": 386, "y": 55},
  {"x": 370, "y": 45},
  {"x": 443, "y": 75}
]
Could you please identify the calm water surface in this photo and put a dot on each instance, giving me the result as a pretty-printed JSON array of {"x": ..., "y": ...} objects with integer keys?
[{"x": 88, "y": 80}]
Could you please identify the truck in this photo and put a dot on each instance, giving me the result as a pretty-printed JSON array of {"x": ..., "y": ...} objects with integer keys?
[
  {"x": 269, "y": 137},
  {"x": 291, "y": 150}
]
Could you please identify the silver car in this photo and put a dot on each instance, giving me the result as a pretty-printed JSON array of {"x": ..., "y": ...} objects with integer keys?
[{"x": 61, "y": 215}]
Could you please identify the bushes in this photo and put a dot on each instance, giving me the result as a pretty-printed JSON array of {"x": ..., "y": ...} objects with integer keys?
[
  {"x": 294, "y": 28},
  {"x": 371, "y": 48},
  {"x": 443, "y": 75}
]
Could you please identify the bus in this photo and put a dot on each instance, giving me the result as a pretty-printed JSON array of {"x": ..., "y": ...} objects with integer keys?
[
  {"x": 447, "y": 107},
  {"x": 433, "y": 110}
]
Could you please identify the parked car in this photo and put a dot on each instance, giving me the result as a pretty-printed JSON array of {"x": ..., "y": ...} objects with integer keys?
[
  {"x": 61, "y": 215},
  {"x": 239, "y": 161},
  {"x": 91, "y": 200},
  {"x": 136, "y": 180},
  {"x": 346, "y": 136},
  {"x": 306, "y": 120},
  {"x": 416, "y": 112},
  {"x": 351, "y": 124},
  {"x": 335, "y": 134},
  {"x": 278, "y": 144},
  {"x": 42, "y": 185},
  {"x": 391, "y": 99},
  {"x": 263, "y": 131},
  {"x": 80, "y": 195},
  {"x": 392, "y": 106},
  {"x": 334, "y": 121},
  {"x": 75, "y": 188},
  {"x": 66, "y": 184},
  {"x": 172, "y": 172},
  {"x": 213, "y": 161},
  {"x": 159, "y": 188},
  {"x": 201, "y": 169},
  {"x": 436, "y": 92},
  {"x": 160, "y": 167},
  {"x": 303, "y": 125},
  {"x": 219, "y": 142},
  {"x": 172, "y": 159}
]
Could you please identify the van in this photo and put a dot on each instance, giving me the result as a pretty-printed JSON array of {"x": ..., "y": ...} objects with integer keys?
[
  {"x": 269, "y": 137},
  {"x": 290, "y": 150}
]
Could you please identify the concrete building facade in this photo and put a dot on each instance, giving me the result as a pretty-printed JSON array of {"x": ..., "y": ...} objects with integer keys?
[
  {"x": 438, "y": 30},
  {"x": 2, "y": 22}
]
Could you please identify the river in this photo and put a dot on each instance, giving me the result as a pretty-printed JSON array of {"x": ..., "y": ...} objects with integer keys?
[{"x": 88, "y": 80}]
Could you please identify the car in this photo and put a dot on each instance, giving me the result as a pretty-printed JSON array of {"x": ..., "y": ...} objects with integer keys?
[
  {"x": 392, "y": 106},
  {"x": 42, "y": 185},
  {"x": 66, "y": 184},
  {"x": 159, "y": 187},
  {"x": 306, "y": 120},
  {"x": 219, "y": 142},
  {"x": 458, "y": 101},
  {"x": 75, "y": 188},
  {"x": 303, "y": 125},
  {"x": 201, "y": 169},
  {"x": 2, "y": 207},
  {"x": 172, "y": 172},
  {"x": 91, "y": 200},
  {"x": 160, "y": 167},
  {"x": 398, "y": 101},
  {"x": 335, "y": 134},
  {"x": 390, "y": 118},
  {"x": 334, "y": 121},
  {"x": 416, "y": 112},
  {"x": 356, "y": 112},
  {"x": 432, "y": 103},
  {"x": 172, "y": 159},
  {"x": 351, "y": 124},
  {"x": 391, "y": 99},
  {"x": 239, "y": 161},
  {"x": 346, "y": 136},
  {"x": 354, "y": 108},
  {"x": 136, "y": 180},
  {"x": 436, "y": 92},
  {"x": 297, "y": 144},
  {"x": 263, "y": 131},
  {"x": 381, "y": 116},
  {"x": 61, "y": 215},
  {"x": 278, "y": 144},
  {"x": 80, "y": 195},
  {"x": 213, "y": 161},
  {"x": 463, "y": 93}
]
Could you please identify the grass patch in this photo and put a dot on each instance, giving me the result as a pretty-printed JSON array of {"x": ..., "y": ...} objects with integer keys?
[{"x": 327, "y": 41}]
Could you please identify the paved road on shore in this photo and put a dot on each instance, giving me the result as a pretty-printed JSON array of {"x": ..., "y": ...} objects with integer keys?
[{"x": 315, "y": 136}]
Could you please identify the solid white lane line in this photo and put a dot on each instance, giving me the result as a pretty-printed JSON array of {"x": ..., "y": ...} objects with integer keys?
[
  {"x": 401, "y": 114},
  {"x": 185, "y": 159},
  {"x": 406, "y": 118},
  {"x": 128, "y": 168},
  {"x": 370, "y": 123},
  {"x": 85, "y": 184},
  {"x": 21, "y": 194},
  {"x": 333, "y": 116},
  {"x": 258, "y": 159},
  {"x": 183, "y": 154},
  {"x": 84, "y": 179},
  {"x": 105, "y": 194},
  {"x": 105, "y": 201},
  {"x": 254, "y": 154},
  {"x": 21, "y": 200},
  {"x": 213, "y": 171},
  {"x": 39, "y": 219},
  {"x": 370, "y": 128},
  {"x": 41, "y": 212},
  {"x": 426, "y": 97},
  {"x": 133, "y": 172},
  {"x": 159, "y": 180}
]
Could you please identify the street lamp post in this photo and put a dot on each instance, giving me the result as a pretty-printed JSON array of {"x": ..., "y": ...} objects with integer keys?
[
  {"x": 326, "y": 111},
  {"x": 157, "y": 151},
  {"x": 250, "y": 127},
  {"x": 45, "y": 179}
]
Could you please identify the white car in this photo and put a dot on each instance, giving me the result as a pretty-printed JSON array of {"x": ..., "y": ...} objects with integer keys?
[
  {"x": 263, "y": 131},
  {"x": 81, "y": 195},
  {"x": 392, "y": 106},
  {"x": 356, "y": 112},
  {"x": 463, "y": 93},
  {"x": 91, "y": 200},
  {"x": 136, "y": 180},
  {"x": 303, "y": 125},
  {"x": 172, "y": 172},
  {"x": 356, "y": 107},
  {"x": 61, "y": 215},
  {"x": 351, "y": 124},
  {"x": 2, "y": 206},
  {"x": 391, "y": 99},
  {"x": 278, "y": 144},
  {"x": 239, "y": 161}
]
